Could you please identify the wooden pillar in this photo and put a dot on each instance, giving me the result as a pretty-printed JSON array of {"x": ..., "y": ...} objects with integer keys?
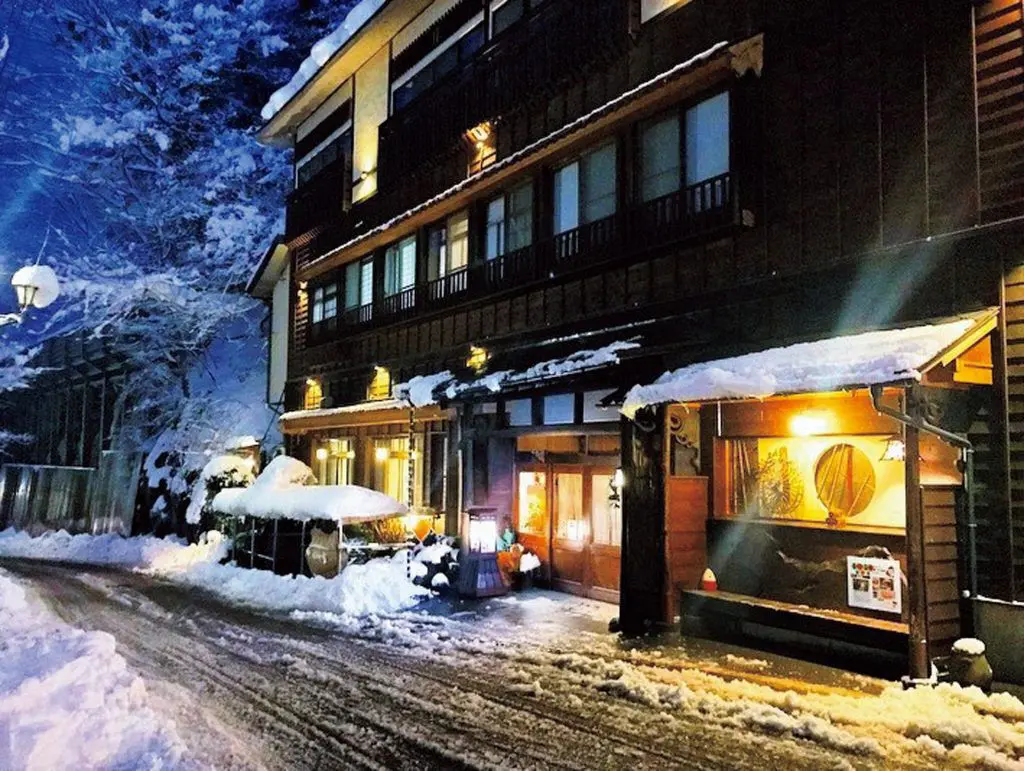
[
  {"x": 642, "y": 586},
  {"x": 920, "y": 667}
]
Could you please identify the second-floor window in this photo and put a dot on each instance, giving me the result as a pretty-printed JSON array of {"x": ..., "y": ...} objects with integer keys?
[
  {"x": 685, "y": 149},
  {"x": 509, "y": 222},
  {"x": 325, "y": 304},
  {"x": 448, "y": 247},
  {"x": 358, "y": 286},
  {"x": 400, "y": 267},
  {"x": 585, "y": 189}
]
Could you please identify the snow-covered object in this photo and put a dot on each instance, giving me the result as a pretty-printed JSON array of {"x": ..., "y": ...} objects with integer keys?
[
  {"x": 368, "y": 406},
  {"x": 287, "y": 489},
  {"x": 580, "y": 361},
  {"x": 969, "y": 646},
  {"x": 419, "y": 391},
  {"x": 835, "y": 363},
  {"x": 284, "y": 471},
  {"x": 242, "y": 442},
  {"x": 232, "y": 467},
  {"x": 68, "y": 700},
  {"x": 321, "y": 54},
  {"x": 439, "y": 581},
  {"x": 43, "y": 279},
  {"x": 339, "y": 503},
  {"x": 93, "y": 549}
]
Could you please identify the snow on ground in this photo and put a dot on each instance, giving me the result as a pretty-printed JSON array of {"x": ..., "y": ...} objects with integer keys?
[
  {"x": 67, "y": 699},
  {"x": 381, "y": 586},
  {"x": 823, "y": 365}
]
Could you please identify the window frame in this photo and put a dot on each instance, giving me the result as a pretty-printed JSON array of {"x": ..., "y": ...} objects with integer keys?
[
  {"x": 579, "y": 162},
  {"x": 322, "y": 295},
  {"x": 395, "y": 265},
  {"x": 681, "y": 114}
]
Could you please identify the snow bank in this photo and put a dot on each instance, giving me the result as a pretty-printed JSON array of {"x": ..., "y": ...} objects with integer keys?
[
  {"x": 67, "y": 699},
  {"x": 287, "y": 490},
  {"x": 379, "y": 587},
  {"x": 824, "y": 365},
  {"x": 321, "y": 54}
]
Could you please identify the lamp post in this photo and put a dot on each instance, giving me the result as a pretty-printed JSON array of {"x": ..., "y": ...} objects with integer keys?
[{"x": 36, "y": 286}]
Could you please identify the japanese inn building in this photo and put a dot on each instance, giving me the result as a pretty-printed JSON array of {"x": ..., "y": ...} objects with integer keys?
[{"x": 511, "y": 218}]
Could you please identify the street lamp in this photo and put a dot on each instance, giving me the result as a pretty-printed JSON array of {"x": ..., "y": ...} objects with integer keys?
[{"x": 36, "y": 286}]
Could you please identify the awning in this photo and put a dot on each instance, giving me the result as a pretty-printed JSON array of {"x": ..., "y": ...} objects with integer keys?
[
  {"x": 362, "y": 414},
  {"x": 886, "y": 357}
]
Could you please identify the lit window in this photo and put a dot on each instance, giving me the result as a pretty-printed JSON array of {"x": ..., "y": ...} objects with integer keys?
[
  {"x": 400, "y": 267},
  {"x": 314, "y": 394},
  {"x": 325, "y": 303},
  {"x": 380, "y": 386},
  {"x": 335, "y": 461},
  {"x": 398, "y": 469}
]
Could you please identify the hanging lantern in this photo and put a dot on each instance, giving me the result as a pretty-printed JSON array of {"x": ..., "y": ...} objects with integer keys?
[{"x": 36, "y": 286}]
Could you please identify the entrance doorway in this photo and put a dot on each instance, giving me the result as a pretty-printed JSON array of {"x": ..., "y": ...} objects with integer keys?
[{"x": 571, "y": 517}]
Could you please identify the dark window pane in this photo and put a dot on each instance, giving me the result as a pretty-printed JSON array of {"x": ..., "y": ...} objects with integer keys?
[{"x": 505, "y": 16}]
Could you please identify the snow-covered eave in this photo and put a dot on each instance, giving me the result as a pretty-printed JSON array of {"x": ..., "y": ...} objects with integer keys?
[
  {"x": 363, "y": 413},
  {"x": 270, "y": 267},
  {"x": 361, "y": 44},
  {"x": 688, "y": 385},
  {"x": 551, "y": 143}
]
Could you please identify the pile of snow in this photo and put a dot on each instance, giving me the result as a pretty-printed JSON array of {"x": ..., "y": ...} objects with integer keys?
[
  {"x": 242, "y": 442},
  {"x": 67, "y": 699},
  {"x": 379, "y": 587},
  {"x": 419, "y": 391},
  {"x": 969, "y": 646},
  {"x": 223, "y": 471},
  {"x": 824, "y": 365},
  {"x": 338, "y": 503},
  {"x": 321, "y": 54},
  {"x": 287, "y": 490}
]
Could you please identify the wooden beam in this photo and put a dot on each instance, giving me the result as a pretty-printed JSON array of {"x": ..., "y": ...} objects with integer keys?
[{"x": 920, "y": 666}]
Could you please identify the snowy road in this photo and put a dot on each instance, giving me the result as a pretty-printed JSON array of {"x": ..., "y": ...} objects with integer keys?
[{"x": 415, "y": 691}]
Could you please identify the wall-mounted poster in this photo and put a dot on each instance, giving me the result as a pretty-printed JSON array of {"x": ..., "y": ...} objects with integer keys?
[{"x": 874, "y": 584}]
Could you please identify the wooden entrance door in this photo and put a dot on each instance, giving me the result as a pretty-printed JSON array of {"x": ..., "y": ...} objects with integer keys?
[{"x": 585, "y": 532}]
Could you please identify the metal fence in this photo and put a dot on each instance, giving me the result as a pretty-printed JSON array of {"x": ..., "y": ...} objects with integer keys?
[{"x": 80, "y": 500}]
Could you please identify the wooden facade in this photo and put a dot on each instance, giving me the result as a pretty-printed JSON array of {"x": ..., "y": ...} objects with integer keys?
[{"x": 875, "y": 157}]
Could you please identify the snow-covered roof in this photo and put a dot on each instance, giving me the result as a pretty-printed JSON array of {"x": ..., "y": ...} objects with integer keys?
[
  {"x": 580, "y": 361},
  {"x": 565, "y": 131},
  {"x": 836, "y": 363},
  {"x": 376, "y": 405},
  {"x": 339, "y": 503},
  {"x": 320, "y": 54}
]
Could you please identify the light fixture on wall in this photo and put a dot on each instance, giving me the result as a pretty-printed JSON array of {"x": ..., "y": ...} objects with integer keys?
[
  {"x": 382, "y": 454},
  {"x": 321, "y": 454},
  {"x": 809, "y": 424},
  {"x": 895, "y": 448},
  {"x": 478, "y": 358}
]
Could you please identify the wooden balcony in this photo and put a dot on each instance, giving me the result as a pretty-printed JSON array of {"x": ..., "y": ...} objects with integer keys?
[
  {"x": 324, "y": 199},
  {"x": 689, "y": 213}
]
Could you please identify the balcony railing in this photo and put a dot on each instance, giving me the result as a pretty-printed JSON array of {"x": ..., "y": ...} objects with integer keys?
[{"x": 693, "y": 211}]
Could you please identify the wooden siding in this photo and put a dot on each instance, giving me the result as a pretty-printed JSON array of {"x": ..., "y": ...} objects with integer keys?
[
  {"x": 999, "y": 46},
  {"x": 686, "y": 550},
  {"x": 1005, "y": 552},
  {"x": 942, "y": 585}
]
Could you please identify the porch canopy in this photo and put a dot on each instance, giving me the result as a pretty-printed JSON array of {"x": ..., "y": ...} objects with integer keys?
[
  {"x": 340, "y": 503},
  {"x": 949, "y": 350}
]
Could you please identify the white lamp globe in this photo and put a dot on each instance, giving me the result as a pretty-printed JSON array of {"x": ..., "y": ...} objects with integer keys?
[{"x": 36, "y": 285}]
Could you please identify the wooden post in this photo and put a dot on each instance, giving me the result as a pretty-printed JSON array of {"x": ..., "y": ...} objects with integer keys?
[
  {"x": 920, "y": 667},
  {"x": 642, "y": 586}
]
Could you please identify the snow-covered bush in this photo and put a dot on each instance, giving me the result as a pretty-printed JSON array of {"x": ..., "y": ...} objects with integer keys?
[{"x": 221, "y": 472}]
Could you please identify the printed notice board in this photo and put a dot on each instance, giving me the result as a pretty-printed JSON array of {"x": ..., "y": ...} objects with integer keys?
[{"x": 874, "y": 584}]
